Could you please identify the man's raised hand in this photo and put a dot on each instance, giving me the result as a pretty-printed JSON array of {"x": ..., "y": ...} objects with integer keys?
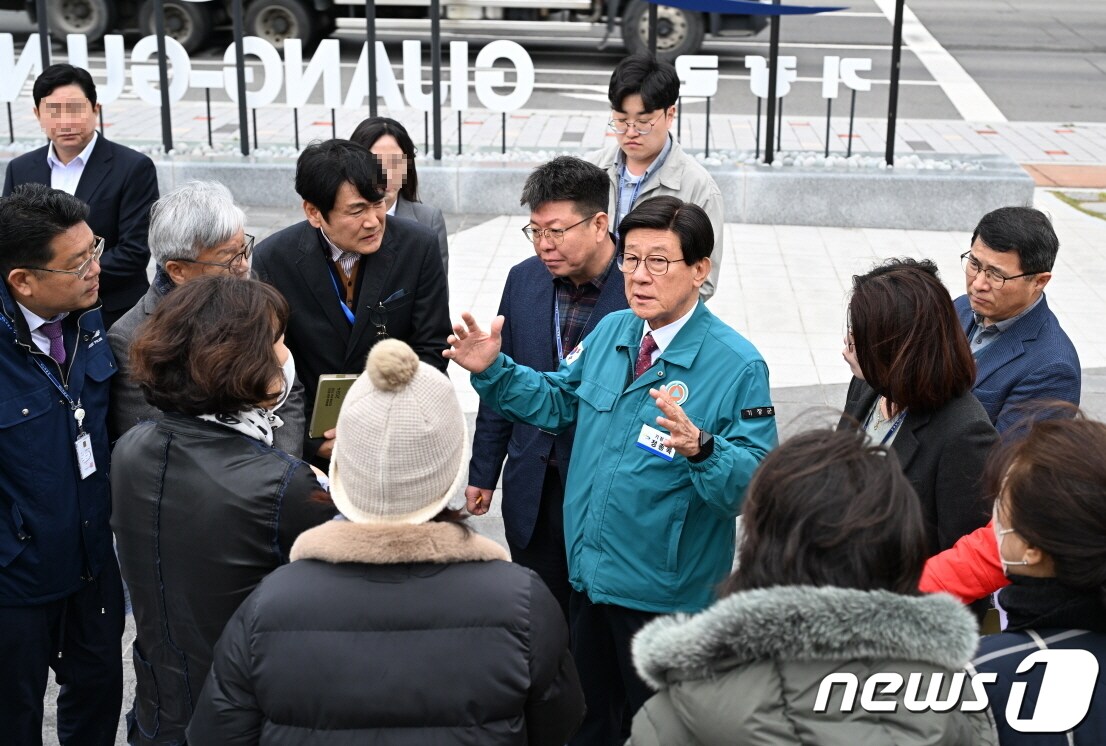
[{"x": 473, "y": 348}]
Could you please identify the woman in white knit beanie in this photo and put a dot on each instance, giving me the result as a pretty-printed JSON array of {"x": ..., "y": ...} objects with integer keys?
[{"x": 399, "y": 625}]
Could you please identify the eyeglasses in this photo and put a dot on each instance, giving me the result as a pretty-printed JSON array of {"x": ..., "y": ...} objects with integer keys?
[
  {"x": 82, "y": 271},
  {"x": 654, "y": 264},
  {"x": 557, "y": 235},
  {"x": 241, "y": 257},
  {"x": 972, "y": 268},
  {"x": 622, "y": 126}
]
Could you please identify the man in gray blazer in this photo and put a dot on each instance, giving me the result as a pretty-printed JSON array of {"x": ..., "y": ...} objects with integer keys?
[{"x": 195, "y": 230}]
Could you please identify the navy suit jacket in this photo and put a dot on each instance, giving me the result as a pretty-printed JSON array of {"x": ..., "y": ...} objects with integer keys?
[
  {"x": 119, "y": 185},
  {"x": 1031, "y": 361},
  {"x": 527, "y": 306}
]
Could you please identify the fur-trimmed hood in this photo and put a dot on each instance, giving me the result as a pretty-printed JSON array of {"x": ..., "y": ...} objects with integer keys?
[
  {"x": 804, "y": 623},
  {"x": 393, "y": 544}
]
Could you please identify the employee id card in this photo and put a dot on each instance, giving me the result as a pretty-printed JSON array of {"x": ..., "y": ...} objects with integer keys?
[
  {"x": 85, "y": 460},
  {"x": 652, "y": 440}
]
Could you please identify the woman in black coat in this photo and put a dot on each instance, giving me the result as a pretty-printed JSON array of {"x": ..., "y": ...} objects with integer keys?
[
  {"x": 203, "y": 507},
  {"x": 913, "y": 373},
  {"x": 398, "y": 626}
]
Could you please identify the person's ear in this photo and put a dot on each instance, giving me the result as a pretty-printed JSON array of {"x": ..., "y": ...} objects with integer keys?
[
  {"x": 670, "y": 114},
  {"x": 701, "y": 271},
  {"x": 1040, "y": 280},
  {"x": 176, "y": 272},
  {"x": 1034, "y": 556},
  {"x": 314, "y": 216},
  {"x": 20, "y": 281},
  {"x": 602, "y": 225}
]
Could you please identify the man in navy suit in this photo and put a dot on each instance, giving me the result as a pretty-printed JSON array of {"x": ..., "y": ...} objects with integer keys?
[
  {"x": 118, "y": 184},
  {"x": 551, "y": 301},
  {"x": 1022, "y": 355}
]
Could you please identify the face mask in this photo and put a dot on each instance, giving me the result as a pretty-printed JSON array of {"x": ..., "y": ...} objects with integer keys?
[
  {"x": 1000, "y": 534},
  {"x": 289, "y": 371}
]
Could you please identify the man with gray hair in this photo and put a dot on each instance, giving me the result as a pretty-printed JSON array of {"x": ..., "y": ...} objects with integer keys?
[{"x": 195, "y": 230}]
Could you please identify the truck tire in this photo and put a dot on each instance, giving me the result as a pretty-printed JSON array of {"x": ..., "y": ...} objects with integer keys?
[
  {"x": 93, "y": 18},
  {"x": 188, "y": 23},
  {"x": 678, "y": 31},
  {"x": 277, "y": 20}
]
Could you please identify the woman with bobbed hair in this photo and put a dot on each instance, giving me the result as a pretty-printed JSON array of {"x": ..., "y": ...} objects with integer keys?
[
  {"x": 388, "y": 140},
  {"x": 203, "y": 507},
  {"x": 1050, "y": 526},
  {"x": 826, "y": 585},
  {"x": 911, "y": 392}
]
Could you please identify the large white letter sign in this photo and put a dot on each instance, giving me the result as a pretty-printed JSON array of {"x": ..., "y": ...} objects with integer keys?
[
  {"x": 698, "y": 74},
  {"x": 758, "y": 80},
  {"x": 14, "y": 73},
  {"x": 270, "y": 63},
  {"x": 143, "y": 77},
  {"x": 325, "y": 64},
  {"x": 836, "y": 70},
  {"x": 488, "y": 77}
]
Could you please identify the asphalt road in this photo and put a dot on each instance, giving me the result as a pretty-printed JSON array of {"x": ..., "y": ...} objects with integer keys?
[{"x": 987, "y": 60}]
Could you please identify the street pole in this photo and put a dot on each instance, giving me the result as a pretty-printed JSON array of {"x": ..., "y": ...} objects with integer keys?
[
  {"x": 773, "y": 74},
  {"x": 240, "y": 63},
  {"x": 653, "y": 29},
  {"x": 893, "y": 98},
  {"x": 436, "y": 74},
  {"x": 370, "y": 38},
  {"x": 43, "y": 34},
  {"x": 163, "y": 76}
]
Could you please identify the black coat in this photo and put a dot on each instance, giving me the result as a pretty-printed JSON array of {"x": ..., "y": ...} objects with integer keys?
[
  {"x": 407, "y": 268},
  {"x": 201, "y": 514},
  {"x": 943, "y": 454},
  {"x": 119, "y": 185},
  {"x": 414, "y": 635}
]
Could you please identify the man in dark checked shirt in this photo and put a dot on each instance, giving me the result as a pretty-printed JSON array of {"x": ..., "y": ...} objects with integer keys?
[{"x": 551, "y": 301}]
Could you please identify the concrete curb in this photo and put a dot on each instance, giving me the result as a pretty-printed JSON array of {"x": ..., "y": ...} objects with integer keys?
[{"x": 915, "y": 199}]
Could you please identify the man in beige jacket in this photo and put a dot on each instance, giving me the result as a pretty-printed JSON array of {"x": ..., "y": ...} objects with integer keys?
[{"x": 646, "y": 160}]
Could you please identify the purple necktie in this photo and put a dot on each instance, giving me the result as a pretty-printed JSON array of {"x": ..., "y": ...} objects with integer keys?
[
  {"x": 52, "y": 329},
  {"x": 645, "y": 355}
]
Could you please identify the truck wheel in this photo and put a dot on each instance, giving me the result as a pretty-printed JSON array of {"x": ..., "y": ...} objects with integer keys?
[
  {"x": 678, "y": 31},
  {"x": 93, "y": 18},
  {"x": 277, "y": 20},
  {"x": 188, "y": 23}
]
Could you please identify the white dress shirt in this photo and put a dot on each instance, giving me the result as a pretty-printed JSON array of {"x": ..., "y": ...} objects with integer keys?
[
  {"x": 66, "y": 176},
  {"x": 664, "y": 336}
]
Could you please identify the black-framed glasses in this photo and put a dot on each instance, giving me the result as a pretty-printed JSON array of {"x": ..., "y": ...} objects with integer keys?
[
  {"x": 655, "y": 264},
  {"x": 557, "y": 235},
  {"x": 82, "y": 271},
  {"x": 972, "y": 268},
  {"x": 241, "y": 258},
  {"x": 622, "y": 126}
]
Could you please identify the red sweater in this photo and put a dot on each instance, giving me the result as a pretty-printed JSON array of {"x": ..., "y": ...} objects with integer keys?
[{"x": 970, "y": 569}]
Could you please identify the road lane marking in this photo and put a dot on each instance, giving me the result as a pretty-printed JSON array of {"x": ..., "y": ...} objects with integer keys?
[{"x": 961, "y": 89}]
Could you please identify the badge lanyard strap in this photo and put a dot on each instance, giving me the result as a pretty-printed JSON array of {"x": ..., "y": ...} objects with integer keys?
[
  {"x": 341, "y": 302},
  {"x": 74, "y": 406},
  {"x": 557, "y": 326},
  {"x": 637, "y": 187},
  {"x": 894, "y": 426}
]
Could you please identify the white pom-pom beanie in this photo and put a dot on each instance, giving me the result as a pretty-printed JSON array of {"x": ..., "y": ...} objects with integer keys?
[{"x": 402, "y": 446}]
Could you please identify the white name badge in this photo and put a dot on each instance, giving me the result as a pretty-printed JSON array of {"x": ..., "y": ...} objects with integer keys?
[
  {"x": 85, "y": 460},
  {"x": 652, "y": 440}
]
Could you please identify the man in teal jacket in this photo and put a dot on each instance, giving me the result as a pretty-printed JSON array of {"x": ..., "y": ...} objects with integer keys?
[{"x": 673, "y": 414}]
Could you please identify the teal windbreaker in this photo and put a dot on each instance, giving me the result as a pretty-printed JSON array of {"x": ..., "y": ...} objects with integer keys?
[{"x": 640, "y": 531}]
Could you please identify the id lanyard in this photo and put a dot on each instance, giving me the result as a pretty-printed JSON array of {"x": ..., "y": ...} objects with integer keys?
[
  {"x": 74, "y": 406},
  {"x": 557, "y": 327},
  {"x": 341, "y": 302},
  {"x": 894, "y": 426},
  {"x": 654, "y": 168}
]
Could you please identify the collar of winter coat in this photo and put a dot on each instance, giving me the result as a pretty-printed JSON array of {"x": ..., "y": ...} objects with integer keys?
[
  {"x": 387, "y": 544},
  {"x": 804, "y": 623}
]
